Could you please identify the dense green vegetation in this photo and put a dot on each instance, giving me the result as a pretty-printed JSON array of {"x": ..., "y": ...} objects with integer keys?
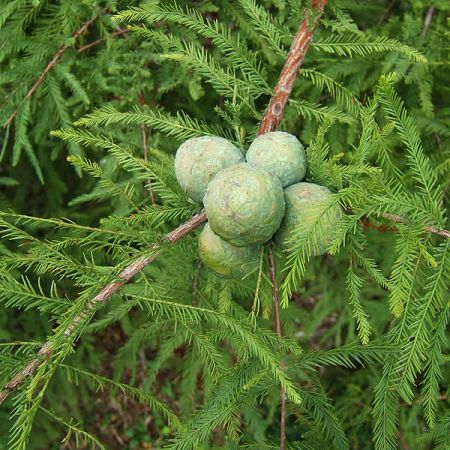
[{"x": 96, "y": 96}]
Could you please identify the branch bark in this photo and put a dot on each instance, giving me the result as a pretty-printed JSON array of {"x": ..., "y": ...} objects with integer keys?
[
  {"x": 399, "y": 219},
  {"x": 274, "y": 112}
]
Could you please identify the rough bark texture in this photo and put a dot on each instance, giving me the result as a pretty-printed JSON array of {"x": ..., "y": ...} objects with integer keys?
[{"x": 274, "y": 113}]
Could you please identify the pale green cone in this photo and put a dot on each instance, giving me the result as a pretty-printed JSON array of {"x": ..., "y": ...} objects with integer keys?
[
  {"x": 199, "y": 159},
  {"x": 280, "y": 153},
  {"x": 305, "y": 203},
  {"x": 225, "y": 259},
  {"x": 244, "y": 205}
]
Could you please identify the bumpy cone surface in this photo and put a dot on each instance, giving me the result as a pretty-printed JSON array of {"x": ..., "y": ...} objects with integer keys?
[
  {"x": 244, "y": 205},
  {"x": 280, "y": 153},
  {"x": 305, "y": 203},
  {"x": 198, "y": 160},
  {"x": 225, "y": 259}
]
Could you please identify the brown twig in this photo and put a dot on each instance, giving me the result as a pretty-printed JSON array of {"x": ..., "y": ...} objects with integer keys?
[
  {"x": 276, "y": 309},
  {"x": 274, "y": 112},
  {"x": 427, "y": 21},
  {"x": 276, "y": 305},
  {"x": 428, "y": 228},
  {"x": 56, "y": 57},
  {"x": 386, "y": 12},
  {"x": 366, "y": 223},
  {"x": 100, "y": 40},
  {"x": 145, "y": 146}
]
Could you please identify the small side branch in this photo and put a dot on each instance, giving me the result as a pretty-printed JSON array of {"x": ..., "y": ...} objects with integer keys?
[
  {"x": 273, "y": 279},
  {"x": 103, "y": 296},
  {"x": 276, "y": 309},
  {"x": 428, "y": 229},
  {"x": 427, "y": 21},
  {"x": 365, "y": 221},
  {"x": 145, "y": 147},
  {"x": 119, "y": 32},
  {"x": 56, "y": 57}
]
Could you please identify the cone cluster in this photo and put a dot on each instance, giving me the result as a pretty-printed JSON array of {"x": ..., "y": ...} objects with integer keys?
[{"x": 250, "y": 200}]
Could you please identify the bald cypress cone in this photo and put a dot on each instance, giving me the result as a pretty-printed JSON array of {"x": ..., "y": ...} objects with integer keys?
[{"x": 244, "y": 205}]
